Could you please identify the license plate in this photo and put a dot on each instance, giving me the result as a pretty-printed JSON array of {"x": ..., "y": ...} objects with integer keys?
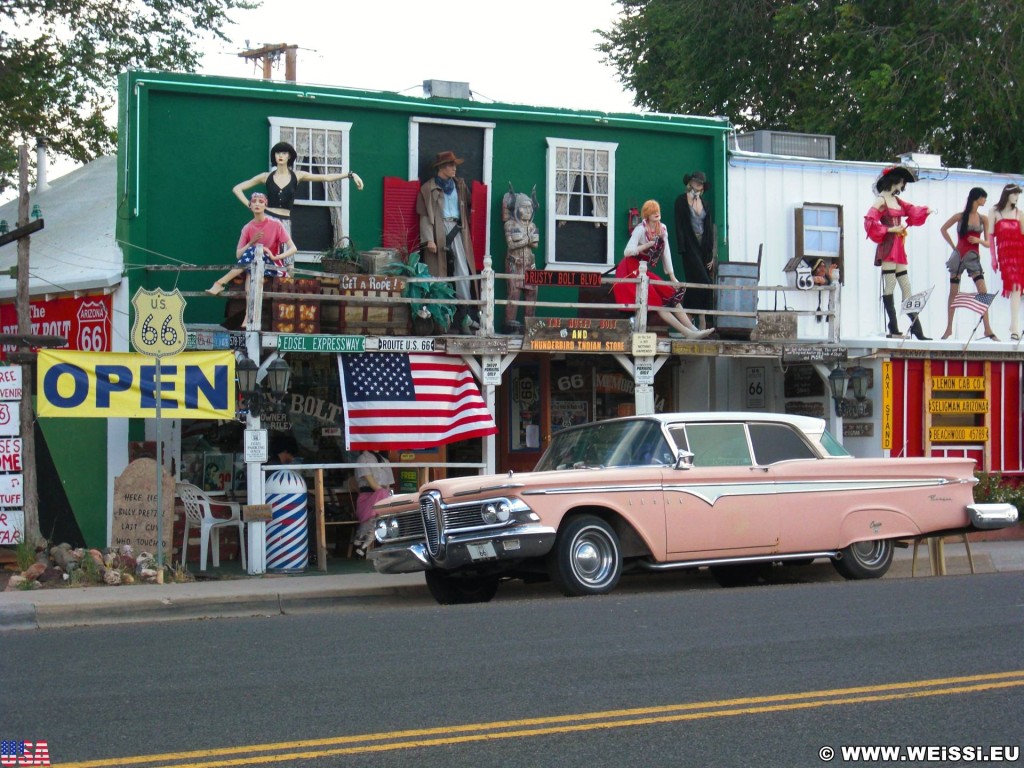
[{"x": 483, "y": 551}]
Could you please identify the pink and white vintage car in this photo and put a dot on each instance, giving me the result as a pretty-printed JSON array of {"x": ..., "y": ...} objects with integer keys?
[{"x": 731, "y": 491}]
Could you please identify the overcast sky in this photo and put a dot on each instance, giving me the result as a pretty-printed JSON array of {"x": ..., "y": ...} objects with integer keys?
[
  {"x": 539, "y": 52},
  {"x": 528, "y": 51}
]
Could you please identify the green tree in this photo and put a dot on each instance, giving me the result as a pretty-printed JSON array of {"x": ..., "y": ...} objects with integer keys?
[
  {"x": 883, "y": 77},
  {"x": 59, "y": 61}
]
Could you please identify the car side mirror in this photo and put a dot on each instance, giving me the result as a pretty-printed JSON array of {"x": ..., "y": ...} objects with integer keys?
[{"x": 684, "y": 460}]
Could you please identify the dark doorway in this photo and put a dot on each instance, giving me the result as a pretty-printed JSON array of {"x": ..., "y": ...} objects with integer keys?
[{"x": 466, "y": 142}]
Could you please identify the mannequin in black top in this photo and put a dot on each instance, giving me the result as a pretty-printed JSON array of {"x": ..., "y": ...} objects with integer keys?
[{"x": 695, "y": 243}]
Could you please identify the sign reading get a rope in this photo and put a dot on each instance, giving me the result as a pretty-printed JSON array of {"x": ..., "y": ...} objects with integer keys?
[{"x": 196, "y": 385}]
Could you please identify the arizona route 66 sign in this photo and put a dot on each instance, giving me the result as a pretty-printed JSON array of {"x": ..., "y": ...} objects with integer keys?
[{"x": 159, "y": 327}]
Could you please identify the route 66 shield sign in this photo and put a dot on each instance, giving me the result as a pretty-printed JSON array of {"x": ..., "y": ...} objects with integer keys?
[{"x": 159, "y": 327}]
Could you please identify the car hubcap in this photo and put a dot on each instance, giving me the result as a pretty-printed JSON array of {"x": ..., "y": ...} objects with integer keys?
[
  {"x": 593, "y": 558},
  {"x": 870, "y": 552}
]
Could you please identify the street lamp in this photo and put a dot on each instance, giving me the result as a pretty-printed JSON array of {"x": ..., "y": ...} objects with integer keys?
[
  {"x": 258, "y": 395},
  {"x": 837, "y": 384},
  {"x": 859, "y": 382},
  {"x": 856, "y": 378}
]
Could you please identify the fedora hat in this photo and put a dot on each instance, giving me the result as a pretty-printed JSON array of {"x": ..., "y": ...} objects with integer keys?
[
  {"x": 697, "y": 176},
  {"x": 443, "y": 158}
]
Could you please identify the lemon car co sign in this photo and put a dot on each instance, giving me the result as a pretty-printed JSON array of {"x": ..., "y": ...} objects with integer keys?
[
  {"x": 195, "y": 385},
  {"x": 159, "y": 327}
]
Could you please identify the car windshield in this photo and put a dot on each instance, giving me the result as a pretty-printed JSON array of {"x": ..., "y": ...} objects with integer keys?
[
  {"x": 607, "y": 444},
  {"x": 832, "y": 446}
]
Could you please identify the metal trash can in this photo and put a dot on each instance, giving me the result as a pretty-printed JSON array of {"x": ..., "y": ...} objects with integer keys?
[
  {"x": 737, "y": 273},
  {"x": 287, "y": 535}
]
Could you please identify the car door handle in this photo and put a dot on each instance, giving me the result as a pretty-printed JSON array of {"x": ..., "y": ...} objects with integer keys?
[{"x": 758, "y": 469}]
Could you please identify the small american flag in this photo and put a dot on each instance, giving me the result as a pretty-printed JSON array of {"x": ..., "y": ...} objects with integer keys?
[
  {"x": 976, "y": 302},
  {"x": 413, "y": 401}
]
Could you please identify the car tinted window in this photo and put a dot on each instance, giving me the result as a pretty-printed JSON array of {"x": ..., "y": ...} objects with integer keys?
[
  {"x": 778, "y": 442},
  {"x": 718, "y": 445}
]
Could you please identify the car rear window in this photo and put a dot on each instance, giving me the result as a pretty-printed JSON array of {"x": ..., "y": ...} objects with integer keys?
[{"x": 778, "y": 442}]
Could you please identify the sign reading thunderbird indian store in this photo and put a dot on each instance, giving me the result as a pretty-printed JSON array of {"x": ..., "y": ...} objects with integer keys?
[{"x": 195, "y": 385}]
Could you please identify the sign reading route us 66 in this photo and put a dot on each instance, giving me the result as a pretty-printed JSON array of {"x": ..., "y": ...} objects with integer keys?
[{"x": 159, "y": 327}]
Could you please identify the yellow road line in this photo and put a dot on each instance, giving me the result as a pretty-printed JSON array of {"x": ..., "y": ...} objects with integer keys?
[{"x": 560, "y": 724}]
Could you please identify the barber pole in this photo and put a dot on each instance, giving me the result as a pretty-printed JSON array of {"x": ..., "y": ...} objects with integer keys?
[{"x": 287, "y": 539}]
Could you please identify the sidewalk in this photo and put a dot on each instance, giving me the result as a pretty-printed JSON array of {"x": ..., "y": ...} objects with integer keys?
[{"x": 273, "y": 594}]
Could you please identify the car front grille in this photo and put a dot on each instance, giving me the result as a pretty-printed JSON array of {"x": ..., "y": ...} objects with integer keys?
[
  {"x": 431, "y": 523},
  {"x": 435, "y": 521}
]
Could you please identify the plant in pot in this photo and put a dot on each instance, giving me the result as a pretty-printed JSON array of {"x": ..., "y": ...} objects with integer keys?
[
  {"x": 343, "y": 257},
  {"x": 427, "y": 319}
]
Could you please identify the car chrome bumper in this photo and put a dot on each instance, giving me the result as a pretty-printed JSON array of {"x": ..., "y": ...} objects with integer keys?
[
  {"x": 460, "y": 550},
  {"x": 989, "y": 516}
]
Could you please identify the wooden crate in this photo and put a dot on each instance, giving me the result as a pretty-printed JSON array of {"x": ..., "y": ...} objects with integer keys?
[
  {"x": 381, "y": 318},
  {"x": 376, "y": 259},
  {"x": 295, "y": 315}
]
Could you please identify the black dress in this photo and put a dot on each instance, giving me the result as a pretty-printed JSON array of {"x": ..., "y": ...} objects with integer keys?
[{"x": 694, "y": 252}]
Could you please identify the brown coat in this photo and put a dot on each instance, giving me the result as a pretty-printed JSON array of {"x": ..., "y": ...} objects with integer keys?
[{"x": 430, "y": 209}]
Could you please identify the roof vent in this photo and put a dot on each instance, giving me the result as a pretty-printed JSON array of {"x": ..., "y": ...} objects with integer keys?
[
  {"x": 446, "y": 89},
  {"x": 921, "y": 160}
]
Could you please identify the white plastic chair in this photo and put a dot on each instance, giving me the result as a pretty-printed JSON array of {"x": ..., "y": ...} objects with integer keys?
[{"x": 199, "y": 512}]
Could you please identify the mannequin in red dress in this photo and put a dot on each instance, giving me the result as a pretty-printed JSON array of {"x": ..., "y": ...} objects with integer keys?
[
  {"x": 1006, "y": 222},
  {"x": 884, "y": 225}
]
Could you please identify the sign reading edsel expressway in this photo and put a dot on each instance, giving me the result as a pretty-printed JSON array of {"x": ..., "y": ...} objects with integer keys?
[{"x": 196, "y": 385}]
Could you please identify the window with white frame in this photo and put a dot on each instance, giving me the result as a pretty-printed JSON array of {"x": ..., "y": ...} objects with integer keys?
[
  {"x": 819, "y": 234},
  {"x": 320, "y": 214},
  {"x": 581, "y": 201}
]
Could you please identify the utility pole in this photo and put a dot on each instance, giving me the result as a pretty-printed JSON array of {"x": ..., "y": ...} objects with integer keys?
[
  {"x": 268, "y": 56},
  {"x": 24, "y": 310}
]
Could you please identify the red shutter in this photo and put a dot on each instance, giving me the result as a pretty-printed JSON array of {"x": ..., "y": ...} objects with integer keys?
[
  {"x": 478, "y": 222},
  {"x": 401, "y": 224}
]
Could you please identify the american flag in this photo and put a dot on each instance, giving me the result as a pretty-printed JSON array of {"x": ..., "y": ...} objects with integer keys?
[
  {"x": 414, "y": 401},
  {"x": 976, "y": 302}
]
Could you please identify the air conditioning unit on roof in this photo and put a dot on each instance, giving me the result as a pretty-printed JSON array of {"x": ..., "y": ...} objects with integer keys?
[{"x": 814, "y": 145}]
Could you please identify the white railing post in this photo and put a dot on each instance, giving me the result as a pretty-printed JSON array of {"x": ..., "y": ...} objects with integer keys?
[
  {"x": 487, "y": 294},
  {"x": 640, "y": 325}
]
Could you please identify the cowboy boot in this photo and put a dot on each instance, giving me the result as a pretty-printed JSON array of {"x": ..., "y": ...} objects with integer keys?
[
  {"x": 889, "y": 302},
  {"x": 916, "y": 328}
]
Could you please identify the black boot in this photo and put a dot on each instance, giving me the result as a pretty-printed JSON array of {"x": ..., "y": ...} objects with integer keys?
[
  {"x": 917, "y": 330},
  {"x": 889, "y": 302}
]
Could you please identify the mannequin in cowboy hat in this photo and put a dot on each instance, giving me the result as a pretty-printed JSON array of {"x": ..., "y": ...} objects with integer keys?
[
  {"x": 443, "y": 209},
  {"x": 695, "y": 242},
  {"x": 884, "y": 225}
]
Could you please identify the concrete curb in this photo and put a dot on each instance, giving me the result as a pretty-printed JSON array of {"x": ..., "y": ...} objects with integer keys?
[
  {"x": 290, "y": 595},
  {"x": 231, "y": 598}
]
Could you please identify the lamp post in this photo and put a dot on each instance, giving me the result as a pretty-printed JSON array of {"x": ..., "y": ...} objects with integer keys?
[
  {"x": 856, "y": 379},
  {"x": 837, "y": 385},
  {"x": 259, "y": 394}
]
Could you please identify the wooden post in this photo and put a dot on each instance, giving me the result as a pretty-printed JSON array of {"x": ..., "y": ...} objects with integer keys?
[{"x": 23, "y": 305}]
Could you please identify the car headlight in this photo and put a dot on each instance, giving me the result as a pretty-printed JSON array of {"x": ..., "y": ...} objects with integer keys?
[
  {"x": 496, "y": 512},
  {"x": 385, "y": 529}
]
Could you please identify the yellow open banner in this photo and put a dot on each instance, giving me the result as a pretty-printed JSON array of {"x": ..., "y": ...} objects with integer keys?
[{"x": 193, "y": 385}]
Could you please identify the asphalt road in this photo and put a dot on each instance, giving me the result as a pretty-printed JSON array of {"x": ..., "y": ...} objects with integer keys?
[{"x": 680, "y": 675}]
